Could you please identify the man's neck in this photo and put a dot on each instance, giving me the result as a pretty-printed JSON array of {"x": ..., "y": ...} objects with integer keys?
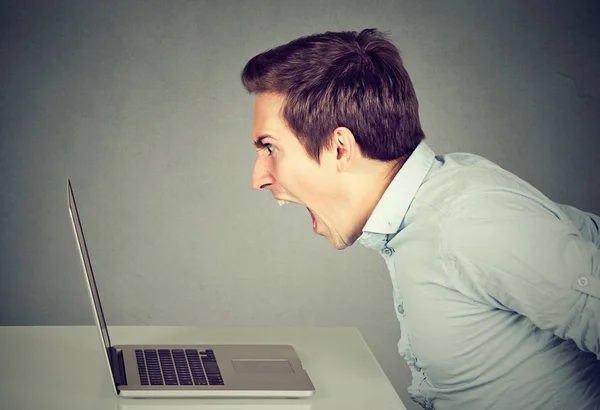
[{"x": 366, "y": 191}]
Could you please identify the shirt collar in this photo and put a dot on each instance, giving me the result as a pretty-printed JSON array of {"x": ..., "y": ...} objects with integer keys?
[{"x": 395, "y": 201}]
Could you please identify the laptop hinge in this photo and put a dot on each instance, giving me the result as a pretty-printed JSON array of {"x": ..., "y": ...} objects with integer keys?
[{"x": 117, "y": 365}]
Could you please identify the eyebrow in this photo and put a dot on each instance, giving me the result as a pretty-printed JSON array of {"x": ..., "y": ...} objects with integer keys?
[{"x": 259, "y": 141}]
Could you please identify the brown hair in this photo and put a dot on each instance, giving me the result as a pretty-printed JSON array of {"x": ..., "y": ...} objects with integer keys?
[{"x": 342, "y": 79}]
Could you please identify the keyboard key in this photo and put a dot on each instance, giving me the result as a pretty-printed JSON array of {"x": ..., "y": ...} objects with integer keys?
[{"x": 211, "y": 368}]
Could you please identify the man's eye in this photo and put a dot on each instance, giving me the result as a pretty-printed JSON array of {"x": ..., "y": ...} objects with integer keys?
[{"x": 269, "y": 148}]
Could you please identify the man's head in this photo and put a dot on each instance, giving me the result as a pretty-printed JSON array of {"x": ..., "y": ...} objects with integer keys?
[{"x": 335, "y": 116}]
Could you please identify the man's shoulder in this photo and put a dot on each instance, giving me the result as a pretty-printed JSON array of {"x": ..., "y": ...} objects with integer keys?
[{"x": 459, "y": 180}]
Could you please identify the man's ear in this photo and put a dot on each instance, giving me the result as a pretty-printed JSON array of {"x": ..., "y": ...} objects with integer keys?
[{"x": 345, "y": 147}]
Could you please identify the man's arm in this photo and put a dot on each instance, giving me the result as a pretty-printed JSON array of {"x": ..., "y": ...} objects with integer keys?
[
  {"x": 587, "y": 223},
  {"x": 519, "y": 256}
]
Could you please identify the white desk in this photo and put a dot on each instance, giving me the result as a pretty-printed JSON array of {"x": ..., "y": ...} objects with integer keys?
[{"x": 62, "y": 367}]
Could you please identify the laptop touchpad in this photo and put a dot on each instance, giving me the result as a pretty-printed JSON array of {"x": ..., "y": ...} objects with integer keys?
[{"x": 262, "y": 366}]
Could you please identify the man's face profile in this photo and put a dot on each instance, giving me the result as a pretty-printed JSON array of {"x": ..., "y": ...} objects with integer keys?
[{"x": 283, "y": 166}]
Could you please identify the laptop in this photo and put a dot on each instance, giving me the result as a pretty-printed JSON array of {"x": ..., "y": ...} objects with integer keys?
[{"x": 231, "y": 370}]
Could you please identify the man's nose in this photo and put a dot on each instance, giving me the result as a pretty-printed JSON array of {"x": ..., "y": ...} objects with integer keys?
[{"x": 261, "y": 177}]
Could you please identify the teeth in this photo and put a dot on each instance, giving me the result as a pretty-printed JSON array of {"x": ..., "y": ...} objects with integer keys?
[{"x": 281, "y": 203}]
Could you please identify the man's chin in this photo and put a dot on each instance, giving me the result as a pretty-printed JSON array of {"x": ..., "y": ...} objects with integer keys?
[{"x": 337, "y": 243}]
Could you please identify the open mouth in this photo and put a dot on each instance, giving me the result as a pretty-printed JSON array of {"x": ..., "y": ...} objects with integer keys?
[
  {"x": 281, "y": 202},
  {"x": 314, "y": 220}
]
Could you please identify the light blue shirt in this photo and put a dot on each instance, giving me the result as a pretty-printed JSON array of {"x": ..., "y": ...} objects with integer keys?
[{"x": 495, "y": 286}]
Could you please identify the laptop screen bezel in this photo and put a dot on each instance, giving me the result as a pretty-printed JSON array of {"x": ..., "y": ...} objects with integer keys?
[{"x": 91, "y": 281}]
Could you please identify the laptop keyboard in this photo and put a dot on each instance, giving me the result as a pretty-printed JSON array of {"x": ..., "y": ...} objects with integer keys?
[{"x": 175, "y": 367}]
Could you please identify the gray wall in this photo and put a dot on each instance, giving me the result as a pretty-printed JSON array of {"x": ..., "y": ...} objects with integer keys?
[{"x": 140, "y": 103}]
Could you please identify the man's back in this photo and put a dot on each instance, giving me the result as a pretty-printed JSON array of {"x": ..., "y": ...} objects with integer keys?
[{"x": 487, "y": 272}]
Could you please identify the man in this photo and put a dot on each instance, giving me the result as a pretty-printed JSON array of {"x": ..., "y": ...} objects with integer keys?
[{"x": 496, "y": 287}]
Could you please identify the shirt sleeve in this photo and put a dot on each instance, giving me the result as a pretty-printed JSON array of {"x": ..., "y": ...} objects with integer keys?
[
  {"x": 516, "y": 253},
  {"x": 587, "y": 223}
]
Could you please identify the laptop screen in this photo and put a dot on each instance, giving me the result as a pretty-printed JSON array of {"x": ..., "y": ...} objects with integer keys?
[{"x": 85, "y": 258}]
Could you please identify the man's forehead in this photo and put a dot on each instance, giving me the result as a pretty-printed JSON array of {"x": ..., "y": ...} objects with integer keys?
[
  {"x": 266, "y": 114},
  {"x": 267, "y": 106}
]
